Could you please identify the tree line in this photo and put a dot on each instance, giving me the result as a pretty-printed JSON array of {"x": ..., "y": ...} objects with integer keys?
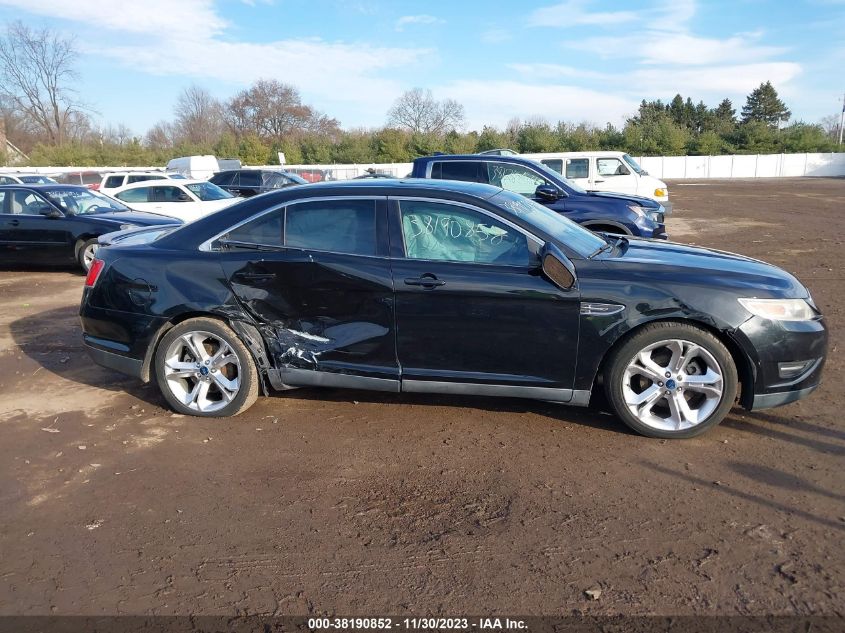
[{"x": 42, "y": 116}]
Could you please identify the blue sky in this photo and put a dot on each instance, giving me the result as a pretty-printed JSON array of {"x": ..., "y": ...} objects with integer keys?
[{"x": 578, "y": 60}]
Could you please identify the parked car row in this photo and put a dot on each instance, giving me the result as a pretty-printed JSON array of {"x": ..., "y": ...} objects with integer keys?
[{"x": 60, "y": 224}]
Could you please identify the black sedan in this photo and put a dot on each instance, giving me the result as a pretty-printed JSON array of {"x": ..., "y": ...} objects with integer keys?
[
  {"x": 59, "y": 224},
  {"x": 447, "y": 287}
]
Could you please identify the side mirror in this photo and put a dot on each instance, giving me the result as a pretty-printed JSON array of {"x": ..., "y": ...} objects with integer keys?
[
  {"x": 557, "y": 267},
  {"x": 548, "y": 192},
  {"x": 49, "y": 212},
  {"x": 643, "y": 173},
  {"x": 183, "y": 197}
]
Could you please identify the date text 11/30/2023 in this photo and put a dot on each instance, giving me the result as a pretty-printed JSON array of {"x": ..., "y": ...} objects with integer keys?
[{"x": 413, "y": 624}]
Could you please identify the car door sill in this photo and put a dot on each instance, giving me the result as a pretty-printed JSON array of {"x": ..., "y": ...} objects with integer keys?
[
  {"x": 507, "y": 391},
  {"x": 296, "y": 377}
]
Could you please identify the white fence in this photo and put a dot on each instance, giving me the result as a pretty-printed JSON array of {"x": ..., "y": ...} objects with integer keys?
[{"x": 664, "y": 167}]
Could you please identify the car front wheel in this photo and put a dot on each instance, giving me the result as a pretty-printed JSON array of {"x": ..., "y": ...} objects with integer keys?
[
  {"x": 671, "y": 380},
  {"x": 204, "y": 369}
]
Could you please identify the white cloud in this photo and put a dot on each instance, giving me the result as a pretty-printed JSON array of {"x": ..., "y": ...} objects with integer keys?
[
  {"x": 496, "y": 36},
  {"x": 554, "y": 71},
  {"x": 188, "y": 39},
  {"x": 679, "y": 49},
  {"x": 160, "y": 18},
  {"x": 712, "y": 81},
  {"x": 496, "y": 102},
  {"x": 407, "y": 20},
  {"x": 574, "y": 13}
]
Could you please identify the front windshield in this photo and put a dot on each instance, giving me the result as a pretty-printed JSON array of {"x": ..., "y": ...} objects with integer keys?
[
  {"x": 555, "y": 176},
  {"x": 567, "y": 232},
  {"x": 84, "y": 201},
  {"x": 634, "y": 164},
  {"x": 207, "y": 191}
]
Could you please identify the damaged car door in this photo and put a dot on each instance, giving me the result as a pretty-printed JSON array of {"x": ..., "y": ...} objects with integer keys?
[
  {"x": 315, "y": 278},
  {"x": 474, "y": 315}
]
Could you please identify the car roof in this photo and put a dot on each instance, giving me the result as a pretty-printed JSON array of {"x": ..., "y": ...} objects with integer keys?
[
  {"x": 45, "y": 186},
  {"x": 153, "y": 183},
  {"x": 476, "y": 157},
  {"x": 134, "y": 173},
  {"x": 478, "y": 190}
]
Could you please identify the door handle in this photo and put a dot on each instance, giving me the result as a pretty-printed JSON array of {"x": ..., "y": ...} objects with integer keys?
[
  {"x": 597, "y": 180},
  {"x": 256, "y": 276},
  {"x": 426, "y": 281},
  {"x": 15, "y": 222}
]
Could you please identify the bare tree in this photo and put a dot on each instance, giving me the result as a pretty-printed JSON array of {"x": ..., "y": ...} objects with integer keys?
[
  {"x": 160, "y": 136},
  {"x": 199, "y": 116},
  {"x": 36, "y": 70},
  {"x": 830, "y": 124},
  {"x": 418, "y": 111},
  {"x": 273, "y": 110}
]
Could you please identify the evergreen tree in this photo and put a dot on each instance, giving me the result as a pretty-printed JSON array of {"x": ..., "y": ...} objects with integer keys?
[{"x": 763, "y": 104}]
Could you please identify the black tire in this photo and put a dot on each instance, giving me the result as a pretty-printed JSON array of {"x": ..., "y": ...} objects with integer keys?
[
  {"x": 624, "y": 355},
  {"x": 246, "y": 373},
  {"x": 81, "y": 251}
]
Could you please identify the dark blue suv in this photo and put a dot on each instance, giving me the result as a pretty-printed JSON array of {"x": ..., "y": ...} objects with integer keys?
[{"x": 598, "y": 211}]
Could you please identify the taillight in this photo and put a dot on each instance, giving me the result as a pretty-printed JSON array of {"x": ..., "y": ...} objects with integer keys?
[{"x": 94, "y": 272}]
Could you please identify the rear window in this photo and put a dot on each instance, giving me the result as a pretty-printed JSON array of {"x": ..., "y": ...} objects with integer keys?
[
  {"x": 464, "y": 170},
  {"x": 339, "y": 226}
]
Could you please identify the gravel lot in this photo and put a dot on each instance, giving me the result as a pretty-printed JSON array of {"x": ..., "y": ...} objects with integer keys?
[{"x": 356, "y": 503}]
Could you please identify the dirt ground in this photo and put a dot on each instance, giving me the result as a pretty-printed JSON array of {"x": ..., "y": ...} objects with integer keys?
[{"x": 356, "y": 503}]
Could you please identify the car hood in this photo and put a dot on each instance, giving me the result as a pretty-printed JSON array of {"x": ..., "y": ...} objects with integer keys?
[
  {"x": 639, "y": 200},
  {"x": 133, "y": 217},
  {"x": 705, "y": 266}
]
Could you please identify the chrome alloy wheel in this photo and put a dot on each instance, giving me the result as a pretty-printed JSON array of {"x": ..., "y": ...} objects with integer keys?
[
  {"x": 202, "y": 371},
  {"x": 672, "y": 385},
  {"x": 88, "y": 255}
]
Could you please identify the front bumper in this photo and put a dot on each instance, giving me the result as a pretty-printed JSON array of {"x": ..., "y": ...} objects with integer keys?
[{"x": 772, "y": 345}]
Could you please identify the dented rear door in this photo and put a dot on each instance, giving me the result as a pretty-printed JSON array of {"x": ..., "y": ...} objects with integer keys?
[{"x": 324, "y": 300}]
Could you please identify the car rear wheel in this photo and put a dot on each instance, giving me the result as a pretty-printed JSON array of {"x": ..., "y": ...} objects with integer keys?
[
  {"x": 87, "y": 253},
  {"x": 204, "y": 369},
  {"x": 671, "y": 380}
]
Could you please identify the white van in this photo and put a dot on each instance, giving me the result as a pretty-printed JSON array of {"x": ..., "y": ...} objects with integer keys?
[
  {"x": 194, "y": 167},
  {"x": 606, "y": 171}
]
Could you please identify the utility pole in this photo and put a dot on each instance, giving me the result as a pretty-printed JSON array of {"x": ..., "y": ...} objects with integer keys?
[{"x": 841, "y": 119}]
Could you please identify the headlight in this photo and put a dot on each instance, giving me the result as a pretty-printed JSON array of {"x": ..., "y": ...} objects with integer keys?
[
  {"x": 124, "y": 227},
  {"x": 655, "y": 215},
  {"x": 779, "y": 309},
  {"x": 660, "y": 193}
]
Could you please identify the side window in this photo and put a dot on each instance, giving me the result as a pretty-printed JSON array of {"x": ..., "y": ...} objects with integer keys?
[
  {"x": 141, "y": 194},
  {"x": 275, "y": 181},
  {"x": 3, "y": 202},
  {"x": 340, "y": 226},
  {"x": 250, "y": 178},
  {"x": 456, "y": 170},
  {"x": 4, "y": 180},
  {"x": 611, "y": 167},
  {"x": 112, "y": 182},
  {"x": 554, "y": 163},
  {"x": 444, "y": 232},
  {"x": 224, "y": 178},
  {"x": 142, "y": 178},
  {"x": 517, "y": 178},
  {"x": 27, "y": 203},
  {"x": 577, "y": 168},
  {"x": 169, "y": 194},
  {"x": 266, "y": 229}
]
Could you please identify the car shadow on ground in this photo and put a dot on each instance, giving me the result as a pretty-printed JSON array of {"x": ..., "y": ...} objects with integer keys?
[
  {"x": 777, "y": 427},
  {"x": 596, "y": 416},
  {"x": 53, "y": 339}
]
